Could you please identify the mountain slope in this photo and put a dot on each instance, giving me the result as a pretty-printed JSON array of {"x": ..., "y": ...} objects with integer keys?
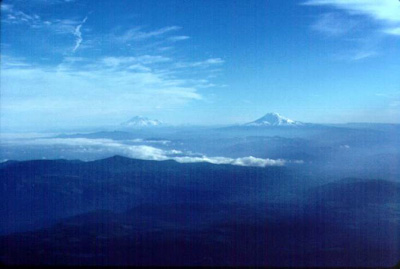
[
  {"x": 44, "y": 190},
  {"x": 121, "y": 211}
]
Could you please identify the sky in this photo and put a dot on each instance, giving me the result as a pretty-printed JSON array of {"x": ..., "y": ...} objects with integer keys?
[{"x": 77, "y": 63}]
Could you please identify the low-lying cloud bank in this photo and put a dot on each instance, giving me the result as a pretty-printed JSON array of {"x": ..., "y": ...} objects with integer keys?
[
  {"x": 245, "y": 161},
  {"x": 146, "y": 152}
]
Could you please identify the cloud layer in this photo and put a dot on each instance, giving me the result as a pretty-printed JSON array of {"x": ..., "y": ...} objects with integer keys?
[
  {"x": 104, "y": 88},
  {"x": 146, "y": 152}
]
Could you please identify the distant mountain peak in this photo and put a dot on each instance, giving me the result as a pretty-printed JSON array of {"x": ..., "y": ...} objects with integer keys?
[
  {"x": 140, "y": 121},
  {"x": 274, "y": 119}
]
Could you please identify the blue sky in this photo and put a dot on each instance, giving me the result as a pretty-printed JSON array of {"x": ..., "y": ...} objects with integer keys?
[{"x": 75, "y": 63}]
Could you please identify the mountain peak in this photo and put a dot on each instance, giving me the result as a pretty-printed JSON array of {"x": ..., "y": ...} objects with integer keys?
[
  {"x": 274, "y": 119},
  {"x": 140, "y": 121}
]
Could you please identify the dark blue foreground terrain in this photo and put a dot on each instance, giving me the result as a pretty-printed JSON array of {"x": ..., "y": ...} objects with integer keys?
[{"x": 121, "y": 211}]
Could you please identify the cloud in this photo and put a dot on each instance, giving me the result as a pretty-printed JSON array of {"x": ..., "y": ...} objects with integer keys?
[
  {"x": 13, "y": 62},
  {"x": 392, "y": 101},
  {"x": 136, "y": 34},
  {"x": 47, "y": 2},
  {"x": 384, "y": 12},
  {"x": 62, "y": 26},
  {"x": 360, "y": 55},
  {"x": 333, "y": 24},
  {"x": 6, "y": 7},
  {"x": 95, "y": 91},
  {"x": 146, "y": 152},
  {"x": 356, "y": 54},
  {"x": 178, "y": 38},
  {"x": 252, "y": 161},
  {"x": 78, "y": 35},
  {"x": 362, "y": 24},
  {"x": 129, "y": 61},
  {"x": 205, "y": 63},
  {"x": 162, "y": 142},
  {"x": 50, "y": 87},
  {"x": 13, "y": 16},
  {"x": 395, "y": 104},
  {"x": 393, "y": 31}
]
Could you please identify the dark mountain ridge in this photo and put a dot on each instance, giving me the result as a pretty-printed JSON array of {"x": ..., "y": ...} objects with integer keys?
[{"x": 122, "y": 211}]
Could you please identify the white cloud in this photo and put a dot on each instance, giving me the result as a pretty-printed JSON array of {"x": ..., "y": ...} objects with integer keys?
[
  {"x": 178, "y": 38},
  {"x": 50, "y": 2},
  {"x": 129, "y": 61},
  {"x": 352, "y": 19},
  {"x": 333, "y": 24},
  {"x": 252, "y": 161},
  {"x": 136, "y": 34},
  {"x": 78, "y": 35},
  {"x": 6, "y": 7},
  {"x": 385, "y": 12},
  {"x": 64, "y": 26},
  {"x": 360, "y": 55},
  {"x": 139, "y": 68},
  {"x": 13, "y": 62},
  {"x": 297, "y": 161},
  {"x": 146, "y": 152},
  {"x": 18, "y": 17},
  {"x": 15, "y": 16},
  {"x": 212, "y": 61},
  {"x": 392, "y": 100},
  {"x": 395, "y": 104},
  {"x": 356, "y": 54},
  {"x": 202, "y": 64},
  {"x": 393, "y": 31}
]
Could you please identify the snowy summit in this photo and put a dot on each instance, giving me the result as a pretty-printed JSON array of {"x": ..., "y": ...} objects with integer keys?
[
  {"x": 273, "y": 119},
  {"x": 139, "y": 121}
]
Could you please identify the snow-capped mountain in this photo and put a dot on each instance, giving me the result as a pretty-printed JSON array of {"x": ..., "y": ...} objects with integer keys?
[
  {"x": 139, "y": 121},
  {"x": 274, "y": 119}
]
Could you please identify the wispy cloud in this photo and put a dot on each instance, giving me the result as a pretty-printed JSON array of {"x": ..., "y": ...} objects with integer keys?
[
  {"x": 356, "y": 54},
  {"x": 14, "y": 16},
  {"x": 384, "y": 12},
  {"x": 50, "y": 2},
  {"x": 333, "y": 24},
  {"x": 178, "y": 38},
  {"x": 205, "y": 63},
  {"x": 137, "y": 34},
  {"x": 6, "y": 7},
  {"x": 78, "y": 35},
  {"x": 392, "y": 100},
  {"x": 105, "y": 92},
  {"x": 393, "y": 31},
  {"x": 129, "y": 61},
  {"x": 366, "y": 22},
  {"x": 363, "y": 55}
]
